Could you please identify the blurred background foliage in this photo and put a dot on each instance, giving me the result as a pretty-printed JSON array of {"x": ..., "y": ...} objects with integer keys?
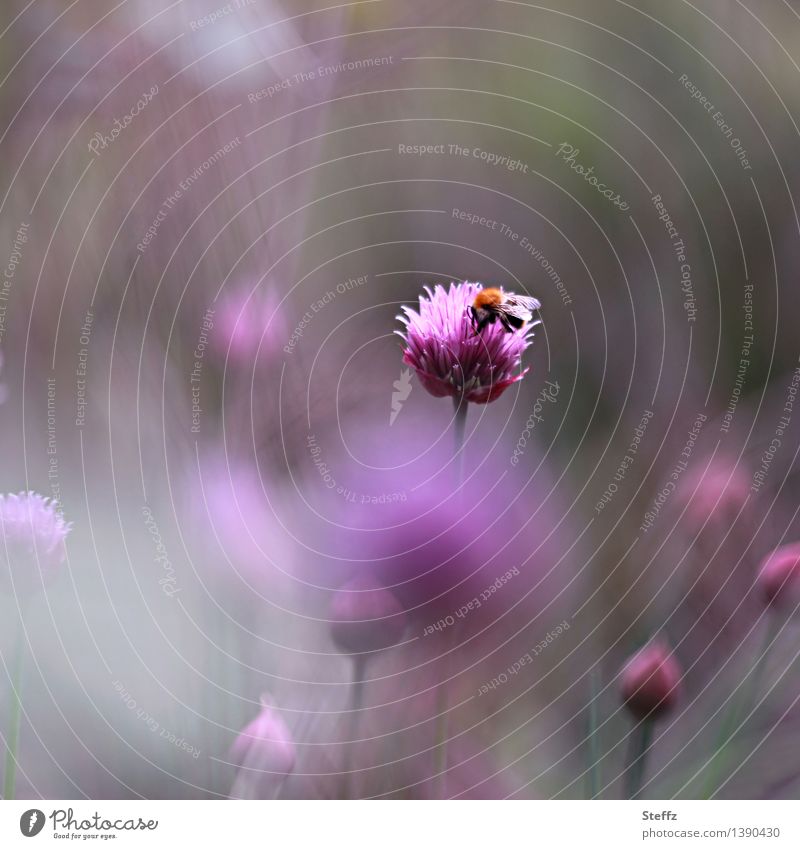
[{"x": 313, "y": 193}]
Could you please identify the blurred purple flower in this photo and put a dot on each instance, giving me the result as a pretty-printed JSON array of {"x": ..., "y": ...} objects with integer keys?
[
  {"x": 714, "y": 498},
  {"x": 248, "y": 326},
  {"x": 715, "y": 573},
  {"x": 232, "y": 503},
  {"x": 434, "y": 547},
  {"x": 651, "y": 681},
  {"x": 265, "y": 754},
  {"x": 450, "y": 358},
  {"x": 33, "y": 534}
]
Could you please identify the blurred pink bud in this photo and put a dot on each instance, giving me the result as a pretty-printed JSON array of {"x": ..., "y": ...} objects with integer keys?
[
  {"x": 365, "y": 617},
  {"x": 265, "y": 754},
  {"x": 779, "y": 577},
  {"x": 651, "y": 681},
  {"x": 247, "y": 326},
  {"x": 715, "y": 496}
]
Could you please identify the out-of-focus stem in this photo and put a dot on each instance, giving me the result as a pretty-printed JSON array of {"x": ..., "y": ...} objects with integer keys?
[
  {"x": 638, "y": 748},
  {"x": 12, "y": 737},
  {"x": 442, "y": 731},
  {"x": 460, "y": 407},
  {"x": 443, "y": 721},
  {"x": 356, "y": 704},
  {"x": 743, "y": 697},
  {"x": 594, "y": 747}
]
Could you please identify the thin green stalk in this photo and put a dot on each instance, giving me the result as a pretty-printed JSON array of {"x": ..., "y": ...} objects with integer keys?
[
  {"x": 443, "y": 721},
  {"x": 638, "y": 749},
  {"x": 12, "y": 738},
  {"x": 442, "y": 731},
  {"x": 594, "y": 740},
  {"x": 460, "y": 407},
  {"x": 356, "y": 705},
  {"x": 743, "y": 697}
]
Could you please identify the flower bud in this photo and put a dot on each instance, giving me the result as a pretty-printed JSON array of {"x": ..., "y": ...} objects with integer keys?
[
  {"x": 779, "y": 577},
  {"x": 265, "y": 754},
  {"x": 365, "y": 617},
  {"x": 651, "y": 681}
]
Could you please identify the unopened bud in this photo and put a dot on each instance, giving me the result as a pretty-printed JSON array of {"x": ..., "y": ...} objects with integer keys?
[
  {"x": 651, "y": 681},
  {"x": 366, "y": 617},
  {"x": 779, "y": 577},
  {"x": 265, "y": 754}
]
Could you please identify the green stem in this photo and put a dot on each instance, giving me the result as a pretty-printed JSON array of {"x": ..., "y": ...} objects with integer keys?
[
  {"x": 638, "y": 748},
  {"x": 12, "y": 738},
  {"x": 356, "y": 704},
  {"x": 460, "y": 407},
  {"x": 442, "y": 730},
  {"x": 743, "y": 696},
  {"x": 443, "y": 720},
  {"x": 594, "y": 741}
]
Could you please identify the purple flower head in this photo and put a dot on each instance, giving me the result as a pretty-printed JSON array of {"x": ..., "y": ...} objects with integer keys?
[
  {"x": 450, "y": 358},
  {"x": 32, "y": 534}
]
